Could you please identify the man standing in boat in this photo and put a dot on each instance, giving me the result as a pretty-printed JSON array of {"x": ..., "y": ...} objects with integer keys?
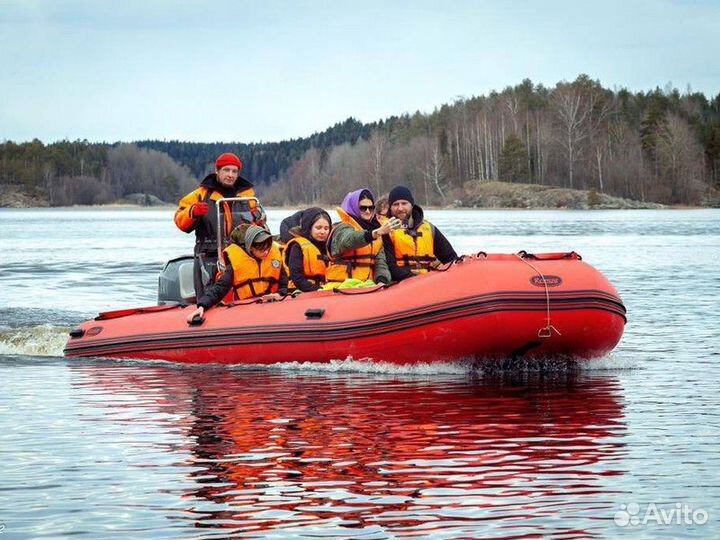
[
  {"x": 418, "y": 246},
  {"x": 197, "y": 211}
]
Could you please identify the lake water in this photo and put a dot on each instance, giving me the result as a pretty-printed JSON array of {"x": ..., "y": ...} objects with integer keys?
[{"x": 629, "y": 446}]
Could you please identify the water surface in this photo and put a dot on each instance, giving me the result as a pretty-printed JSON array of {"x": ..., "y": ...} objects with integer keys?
[{"x": 355, "y": 450}]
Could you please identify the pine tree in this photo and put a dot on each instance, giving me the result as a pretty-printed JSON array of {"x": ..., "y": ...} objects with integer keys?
[{"x": 513, "y": 165}]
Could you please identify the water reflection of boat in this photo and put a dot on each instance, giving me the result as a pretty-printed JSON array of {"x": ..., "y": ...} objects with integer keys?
[
  {"x": 482, "y": 307},
  {"x": 358, "y": 455}
]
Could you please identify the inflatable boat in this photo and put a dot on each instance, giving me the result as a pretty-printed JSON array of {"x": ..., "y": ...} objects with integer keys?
[{"x": 479, "y": 307}]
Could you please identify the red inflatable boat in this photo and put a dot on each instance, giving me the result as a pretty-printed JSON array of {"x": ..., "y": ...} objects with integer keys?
[{"x": 480, "y": 307}]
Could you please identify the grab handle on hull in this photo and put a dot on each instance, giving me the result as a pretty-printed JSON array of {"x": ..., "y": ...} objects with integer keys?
[
  {"x": 197, "y": 320},
  {"x": 550, "y": 256},
  {"x": 314, "y": 313}
]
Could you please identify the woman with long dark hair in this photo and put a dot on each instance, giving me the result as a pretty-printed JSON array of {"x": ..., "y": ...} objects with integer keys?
[{"x": 306, "y": 257}]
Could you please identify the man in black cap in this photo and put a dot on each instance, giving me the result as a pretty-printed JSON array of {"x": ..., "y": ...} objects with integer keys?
[{"x": 419, "y": 246}]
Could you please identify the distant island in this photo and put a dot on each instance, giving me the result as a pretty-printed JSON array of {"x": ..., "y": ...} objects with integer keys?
[{"x": 576, "y": 145}]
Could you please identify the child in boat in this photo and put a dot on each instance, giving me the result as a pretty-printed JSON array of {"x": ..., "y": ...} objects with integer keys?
[
  {"x": 382, "y": 207},
  {"x": 306, "y": 254},
  {"x": 253, "y": 267}
]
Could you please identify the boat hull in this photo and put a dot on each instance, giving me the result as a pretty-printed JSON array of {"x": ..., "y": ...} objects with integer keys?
[{"x": 485, "y": 307}]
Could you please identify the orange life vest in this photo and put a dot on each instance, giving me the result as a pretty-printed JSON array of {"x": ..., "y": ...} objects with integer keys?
[
  {"x": 229, "y": 224},
  {"x": 414, "y": 247},
  {"x": 252, "y": 277},
  {"x": 185, "y": 221},
  {"x": 314, "y": 263},
  {"x": 358, "y": 263}
]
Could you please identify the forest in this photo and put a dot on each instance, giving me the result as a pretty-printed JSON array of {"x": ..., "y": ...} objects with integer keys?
[{"x": 658, "y": 146}]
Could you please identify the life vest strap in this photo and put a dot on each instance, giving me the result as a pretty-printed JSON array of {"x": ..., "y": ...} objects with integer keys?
[
  {"x": 251, "y": 283},
  {"x": 360, "y": 258},
  {"x": 420, "y": 262},
  {"x": 418, "y": 258}
]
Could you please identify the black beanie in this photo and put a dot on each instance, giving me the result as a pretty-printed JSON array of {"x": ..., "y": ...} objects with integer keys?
[{"x": 399, "y": 193}]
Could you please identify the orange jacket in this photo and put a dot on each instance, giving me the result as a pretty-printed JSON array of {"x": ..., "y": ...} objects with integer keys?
[
  {"x": 314, "y": 265},
  {"x": 205, "y": 227},
  {"x": 414, "y": 247},
  {"x": 358, "y": 263},
  {"x": 252, "y": 277}
]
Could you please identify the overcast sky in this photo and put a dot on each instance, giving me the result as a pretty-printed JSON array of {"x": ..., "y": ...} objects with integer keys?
[{"x": 251, "y": 71}]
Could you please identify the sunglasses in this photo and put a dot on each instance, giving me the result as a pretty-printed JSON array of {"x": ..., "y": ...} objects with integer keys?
[{"x": 364, "y": 208}]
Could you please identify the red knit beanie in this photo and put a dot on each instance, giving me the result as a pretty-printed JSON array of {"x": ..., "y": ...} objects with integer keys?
[{"x": 228, "y": 159}]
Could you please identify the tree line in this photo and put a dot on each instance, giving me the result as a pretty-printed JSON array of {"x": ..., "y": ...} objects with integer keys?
[
  {"x": 80, "y": 172},
  {"x": 656, "y": 146},
  {"x": 67, "y": 173}
]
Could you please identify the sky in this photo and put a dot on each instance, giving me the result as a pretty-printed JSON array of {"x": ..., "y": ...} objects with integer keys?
[{"x": 263, "y": 71}]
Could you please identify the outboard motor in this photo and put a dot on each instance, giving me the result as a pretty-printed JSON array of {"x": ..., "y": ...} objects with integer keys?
[{"x": 175, "y": 284}]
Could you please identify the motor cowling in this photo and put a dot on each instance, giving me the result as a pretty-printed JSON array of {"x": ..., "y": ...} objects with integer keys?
[{"x": 175, "y": 283}]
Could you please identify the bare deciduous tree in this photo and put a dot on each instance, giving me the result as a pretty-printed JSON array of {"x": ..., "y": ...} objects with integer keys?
[
  {"x": 680, "y": 160},
  {"x": 378, "y": 148},
  {"x": 573, "y": 112}
]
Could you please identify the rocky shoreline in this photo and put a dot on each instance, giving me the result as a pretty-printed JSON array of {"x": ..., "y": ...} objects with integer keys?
[
  {"x": 510, "y": 195},
  {"x": 13, "y": 198},
  {"x": 497, "y": 195}
]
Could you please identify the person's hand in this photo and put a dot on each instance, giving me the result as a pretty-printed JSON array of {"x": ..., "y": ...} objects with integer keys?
[
  {"x": 390, "y": 225},
  {"x": 199, "y": 209},
  {"x": 435, "y": 264},
  {"x": 259, "y": 216},
  {"x": 199, "y": 311},
  {"x": 272, "y": 297}
]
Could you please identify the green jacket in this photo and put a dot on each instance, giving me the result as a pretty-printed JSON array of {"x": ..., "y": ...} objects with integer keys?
[{"x": 345, "y": 238}]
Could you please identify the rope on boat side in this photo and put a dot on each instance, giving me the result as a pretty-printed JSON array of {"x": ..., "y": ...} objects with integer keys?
[
  {"x": 480, "y": 255},
  {"x": 546, "y": 331}
]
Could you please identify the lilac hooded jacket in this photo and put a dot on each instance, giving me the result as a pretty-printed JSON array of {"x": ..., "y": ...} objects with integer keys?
[{"x": 351, "y": 202}]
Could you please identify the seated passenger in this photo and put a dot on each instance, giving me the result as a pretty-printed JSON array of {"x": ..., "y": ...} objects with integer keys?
[
  {"x": 305, "y": 254},
  {"x": 355, "y": 245},
  {"x": 289, "y": 223},
  {"x": 418, "y": 246},
  {"x": 253, "y": 267},
  {"x": 382, "y": 207}
]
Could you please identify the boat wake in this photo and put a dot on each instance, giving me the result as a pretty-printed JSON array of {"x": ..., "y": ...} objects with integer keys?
[
  {"x": 39, "y": 340},
  {"x": 616, "y": 360},
  {"x": 556, "y": 364},
  {"x": 476, "y": 367},
  {"x": 367, "y": 365}
]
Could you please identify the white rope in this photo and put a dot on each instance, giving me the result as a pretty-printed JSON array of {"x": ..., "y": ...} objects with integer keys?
[{"x": 546, "y": 331}]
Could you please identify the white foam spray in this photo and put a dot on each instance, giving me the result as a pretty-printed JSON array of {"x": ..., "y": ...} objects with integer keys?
[{"x": 41, "y": 340}]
